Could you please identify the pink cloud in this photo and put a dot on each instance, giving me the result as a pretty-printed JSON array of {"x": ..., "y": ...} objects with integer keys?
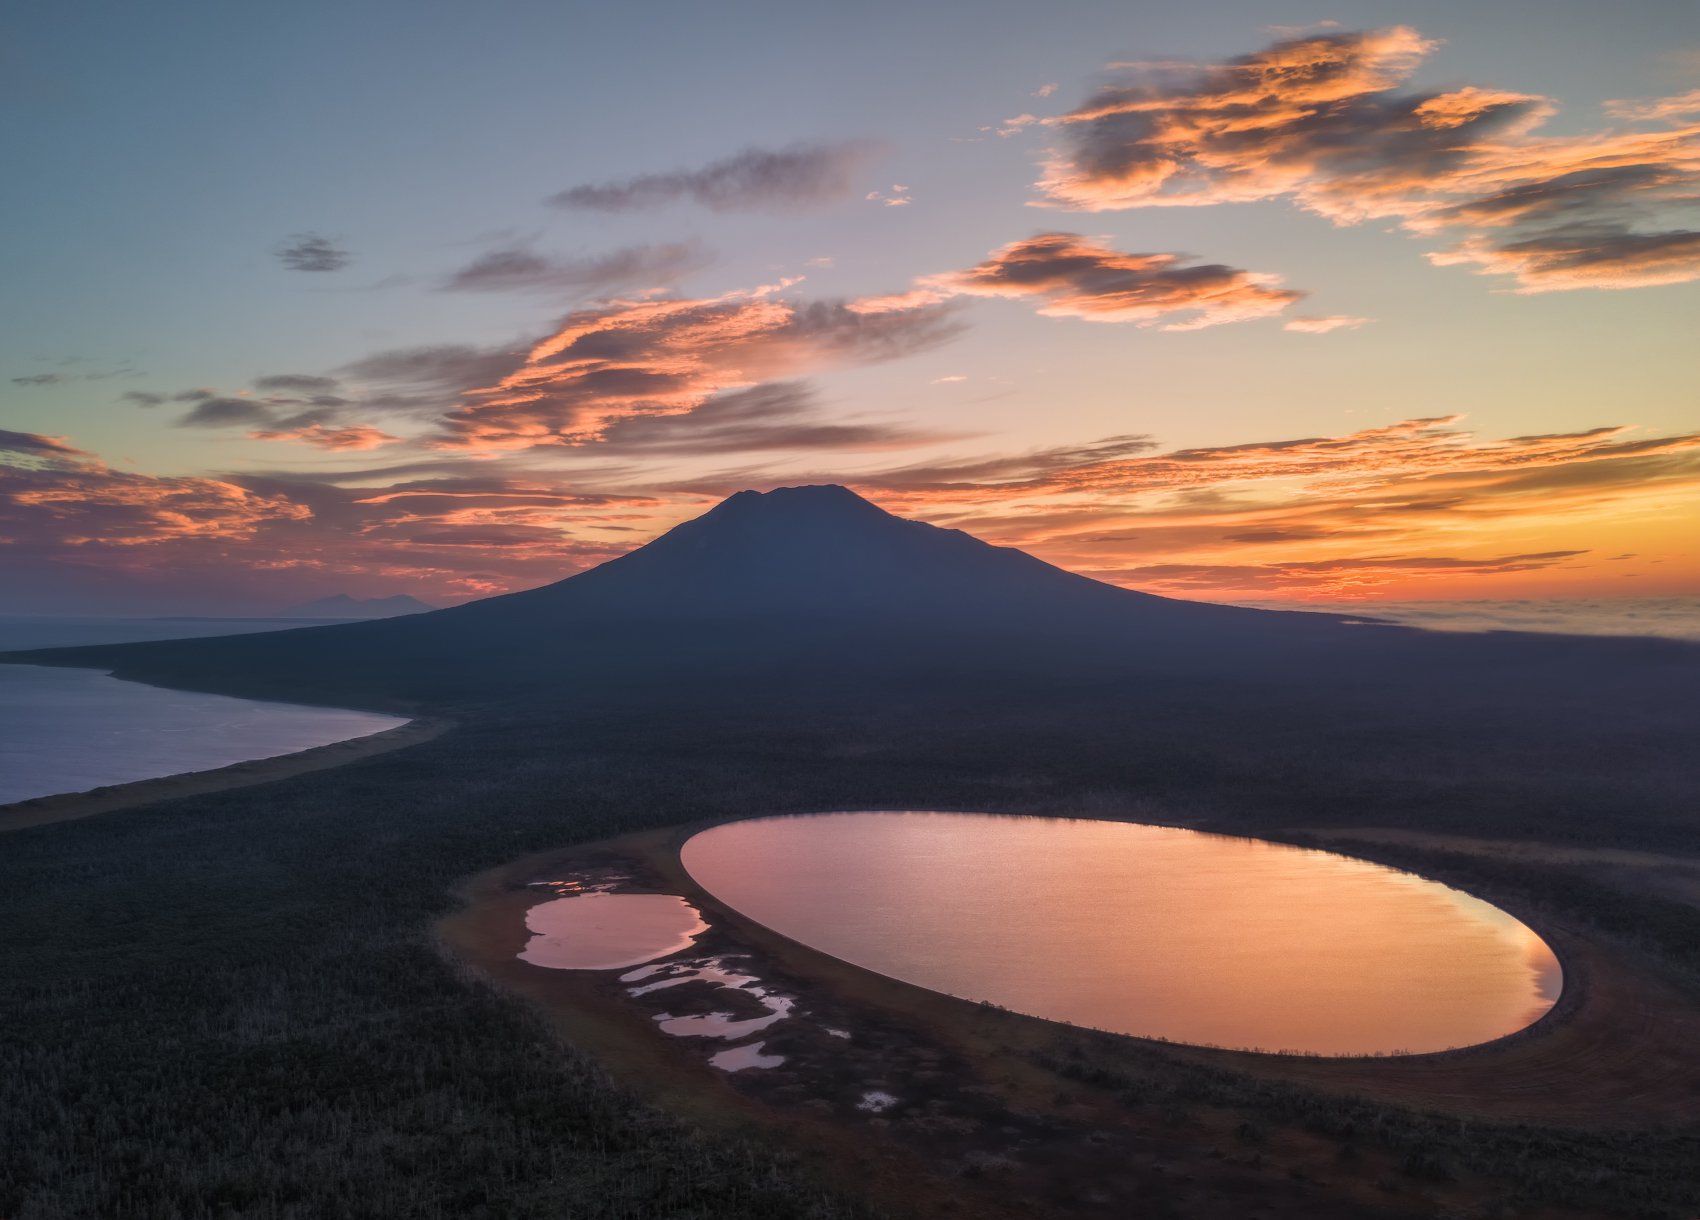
[
  {"x": 1326, "y": 325},
  {"x": 1076, "y": 277},
  {"x": 668, "y": 357},
  {"x": 64, "y": 513},
  {"x": 1420, "y": 500},
  {"x": 1417, "y": 502},
  {"x": 1595, "y": 259},
  {"x": 69, "y": 499},
  {"x": 1323, "y": 120}
]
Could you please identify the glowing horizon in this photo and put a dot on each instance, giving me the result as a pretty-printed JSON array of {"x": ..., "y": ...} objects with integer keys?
[{"x": 1364, "y": 312}]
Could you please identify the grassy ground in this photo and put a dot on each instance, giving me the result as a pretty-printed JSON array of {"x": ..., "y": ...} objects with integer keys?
[
  {"x": 116, "y": 798},
  {"x": 1592, "y": 1112},
  {"x": 229, "y": 1005}
]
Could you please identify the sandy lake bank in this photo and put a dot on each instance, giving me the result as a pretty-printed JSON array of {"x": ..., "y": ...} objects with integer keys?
[{"x": 69, "y": 806}]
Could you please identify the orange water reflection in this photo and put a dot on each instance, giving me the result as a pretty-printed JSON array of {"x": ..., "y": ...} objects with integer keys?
[
  {"x": 609, "y": 931},
  {"x": 1141, "y": 929}
]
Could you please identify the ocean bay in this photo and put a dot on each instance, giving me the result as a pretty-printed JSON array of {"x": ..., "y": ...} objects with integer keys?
[{"x": 71, "y": 730}]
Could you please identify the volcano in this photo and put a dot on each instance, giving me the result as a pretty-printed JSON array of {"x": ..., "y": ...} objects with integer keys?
[
  {"x": 800, "y": 587},
  {"x": 820, "y": 552}
]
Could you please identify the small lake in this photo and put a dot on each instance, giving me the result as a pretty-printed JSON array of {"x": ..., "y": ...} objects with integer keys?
[
  {"x": 1143, "y": 930},
  {"x": 69, "y": 730},
  {"x": 609, "y": 931}
]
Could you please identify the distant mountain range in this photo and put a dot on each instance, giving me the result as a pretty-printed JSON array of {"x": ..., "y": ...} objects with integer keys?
[
  {"x": 809, "y": 592},
  {"x": 341, "y": 605}
]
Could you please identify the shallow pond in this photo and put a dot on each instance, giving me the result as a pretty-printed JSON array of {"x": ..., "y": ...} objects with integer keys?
[
  {"x": 608, "y": 931},
  {"x": 1143, "y": 930}
]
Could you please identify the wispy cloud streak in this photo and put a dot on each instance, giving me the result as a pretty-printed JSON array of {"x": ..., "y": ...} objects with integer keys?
[
  {"x": 1071, "y": 276},
  {"x": 267, "y": 535},
  {"x": 312, "y": 252},
  {"x": 1334, "y": 516},
  {"x": 634, "y": 268},
  {"x": 666, "y": 357},
  {"x": 802, "y": 176}
]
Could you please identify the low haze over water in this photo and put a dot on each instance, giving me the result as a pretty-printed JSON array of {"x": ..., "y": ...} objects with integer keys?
[
  {"x": 43, "y": 631},
  {"x": 1141, "y": 930},
  {"x": 1675, "y": 618}
]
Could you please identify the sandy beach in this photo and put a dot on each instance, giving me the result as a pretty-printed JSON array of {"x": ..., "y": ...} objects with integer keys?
[{"x": 69, "y": 806}]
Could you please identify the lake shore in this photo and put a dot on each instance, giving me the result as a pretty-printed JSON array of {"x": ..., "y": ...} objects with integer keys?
[
  {"x": 979, "y": 1086},
  {"x": 69, "y": 806}
]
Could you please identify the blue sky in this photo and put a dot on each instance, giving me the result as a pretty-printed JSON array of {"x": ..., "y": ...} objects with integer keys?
[{"x": 161, "y": 156}]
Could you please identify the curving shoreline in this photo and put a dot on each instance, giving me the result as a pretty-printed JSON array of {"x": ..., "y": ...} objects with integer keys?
[
  {"x": 69, "y": 806},
  {"x": 991, "y": 1110},
  {"x": 1588, "y": 1062}
]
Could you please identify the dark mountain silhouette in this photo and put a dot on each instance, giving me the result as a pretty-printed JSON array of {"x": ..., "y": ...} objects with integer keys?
[
  {"x": 823, "y": 552},
  {"x": 808, "y": 590},
  {"x": 341, "y": 605}
]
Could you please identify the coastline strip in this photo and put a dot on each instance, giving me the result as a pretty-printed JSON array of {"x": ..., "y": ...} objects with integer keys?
[{"x": 69, "y": 806}]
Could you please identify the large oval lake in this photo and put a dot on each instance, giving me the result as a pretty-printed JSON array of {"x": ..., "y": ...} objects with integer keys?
[{"x": 1143, "y": 930}]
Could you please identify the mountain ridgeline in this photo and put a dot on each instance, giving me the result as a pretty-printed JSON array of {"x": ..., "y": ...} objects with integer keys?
[
  {"x": 805, "y": 588},
  {"x": 826, "y": 555}
]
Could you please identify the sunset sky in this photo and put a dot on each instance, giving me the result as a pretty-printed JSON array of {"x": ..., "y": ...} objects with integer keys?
[{"x": 1366, "y": 303}]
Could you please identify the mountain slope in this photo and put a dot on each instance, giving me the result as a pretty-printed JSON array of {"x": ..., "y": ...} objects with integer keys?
[
  {"x": 821, "y": 551},
  {"x": 812, "y": 590}
]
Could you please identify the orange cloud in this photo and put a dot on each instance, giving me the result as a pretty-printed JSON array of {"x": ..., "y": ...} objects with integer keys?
[
  {"x": 263, "y": 539},
  {"x": 609, "y": 364},
  {"x": 1417, "y": 508},
  {"x": 1412, "y": 508},
  {"x": 1358, "y": 460},
  {"x": 669, "y": 357},
  {"x": 1075, "y": 277},
  {"x": 66, "y": 498},
  {"x": 1321, "y": 120}
]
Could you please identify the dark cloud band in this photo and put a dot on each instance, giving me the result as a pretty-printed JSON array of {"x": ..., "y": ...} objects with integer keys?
[{"x": 803, "y": 176}]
